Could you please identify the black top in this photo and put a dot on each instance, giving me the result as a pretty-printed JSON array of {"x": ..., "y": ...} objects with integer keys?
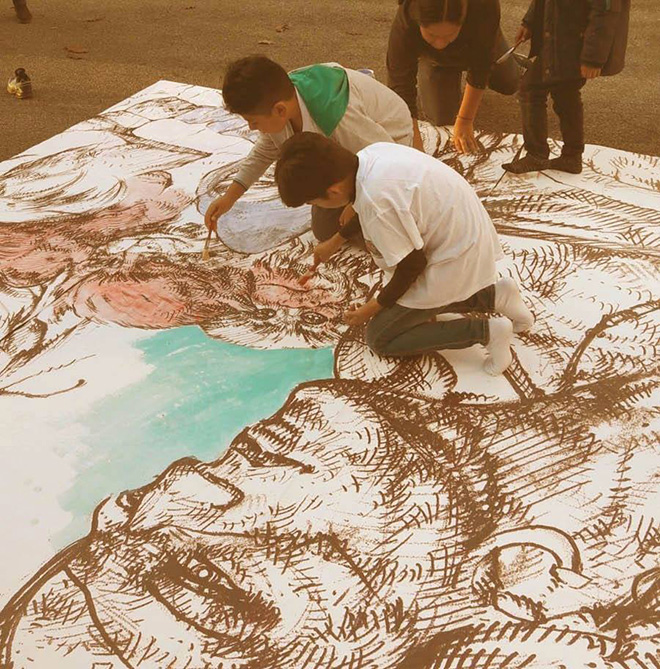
[
  {"x": 405, "y": 274},
  {"x": 472, "y": 50}
]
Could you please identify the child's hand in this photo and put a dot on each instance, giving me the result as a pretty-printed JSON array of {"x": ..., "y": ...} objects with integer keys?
[
  {"x": 360, "y": 315},
  {"x": 589, "y": 72},
  {"x": 217, "y": 208},
  {"x": 523, "y": 34},
  {"x": 323, "y": 251},
  {"x": 346, "y": 215},
  {"x": 464, "y": 139}
]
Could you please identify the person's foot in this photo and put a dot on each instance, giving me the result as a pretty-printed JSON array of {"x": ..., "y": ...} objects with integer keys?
[
  {"x": 509, "y": 303},
  {"x": 498, "y": 348},
  {"x": 22, "y": 12},
  {"x": 529, "y": 163},
  {"x": 570, "y": 164}
]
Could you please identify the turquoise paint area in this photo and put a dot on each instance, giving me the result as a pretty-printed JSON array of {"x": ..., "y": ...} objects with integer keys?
[{"x": 200, "y": 393}]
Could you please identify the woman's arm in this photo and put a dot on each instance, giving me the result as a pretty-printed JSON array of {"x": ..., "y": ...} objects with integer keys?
[
  {"x": 464, "y": 139},
  {"x": 483, "y": 27},
  {"x": 402, "y": 61}
]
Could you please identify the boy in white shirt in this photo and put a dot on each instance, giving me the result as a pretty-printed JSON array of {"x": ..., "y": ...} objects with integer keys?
[
  {"x": 429, "y": 233},
  {"x": 350, "y": 107}
]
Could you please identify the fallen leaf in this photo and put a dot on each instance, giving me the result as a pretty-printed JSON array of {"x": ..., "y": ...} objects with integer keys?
[
  {"x": 265, "y": 41},
  {"x": 76, "y": 49},
  {"x": 351, "y": 32},
  {"x": 282, "y": 28}
]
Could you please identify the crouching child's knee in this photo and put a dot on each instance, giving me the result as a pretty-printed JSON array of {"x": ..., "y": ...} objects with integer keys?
[{"x": 375, "y": 340}]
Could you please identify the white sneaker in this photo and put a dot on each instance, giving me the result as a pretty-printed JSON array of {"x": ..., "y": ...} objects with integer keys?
[
  {"x": 509, "y": 303},
  {"x": 500, "y": 338}
]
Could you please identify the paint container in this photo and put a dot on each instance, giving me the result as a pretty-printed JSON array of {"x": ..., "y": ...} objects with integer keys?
[{"x": 20, "y": 84}]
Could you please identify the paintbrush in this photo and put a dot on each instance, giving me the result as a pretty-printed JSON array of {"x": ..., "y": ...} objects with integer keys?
[
  {"x": 206, "y": 254},
  {"x": 508, "y": 53},
  {"x": 505, "y": 172},
  {"x": 308, "y": 274}
]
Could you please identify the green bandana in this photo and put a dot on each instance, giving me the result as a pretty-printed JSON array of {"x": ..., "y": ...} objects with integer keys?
[{"x": 324, "y": 90}]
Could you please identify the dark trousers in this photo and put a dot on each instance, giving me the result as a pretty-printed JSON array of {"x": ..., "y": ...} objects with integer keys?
[
  {"x": 401, "y": 331},
  {"x": 325, "y": 223},
  {"x": 567, "y": 103},
  {"x": 440, "y": 84}
]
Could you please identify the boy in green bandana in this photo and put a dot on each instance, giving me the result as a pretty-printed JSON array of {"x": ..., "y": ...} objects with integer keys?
[{"x": 349, "y": 107}]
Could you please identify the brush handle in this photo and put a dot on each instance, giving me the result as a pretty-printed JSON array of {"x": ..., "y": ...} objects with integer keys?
[{"x": 208, "y": 239}]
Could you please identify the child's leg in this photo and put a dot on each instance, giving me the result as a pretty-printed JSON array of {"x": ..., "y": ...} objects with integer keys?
[
  {"x": 533, "y": 96},
  {"x": 399, "y": 331},
  {"x": 509, "y": 303},
  {"x": 325, "y": 223},
  {"x": 439, "y": 92},
  {"x": 567, "y": 103},
  {"x": 504, "y": 298}
]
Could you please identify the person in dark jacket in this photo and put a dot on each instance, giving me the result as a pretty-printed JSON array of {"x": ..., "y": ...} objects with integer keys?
[
  {"x": 439, "y": 40},
  {"x": 573, "y": 41}
]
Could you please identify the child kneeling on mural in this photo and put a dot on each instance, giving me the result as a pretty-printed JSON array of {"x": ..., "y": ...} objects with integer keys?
[
  {"x": 427, "y": 230},
  {"x": 350, "y": 107}
]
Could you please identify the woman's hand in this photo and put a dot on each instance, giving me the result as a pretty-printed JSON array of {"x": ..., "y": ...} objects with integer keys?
[
  {"x": 464, "y": 139},
  {"x": 589, "y": 72},
  {"x": 523, "y": 34}
]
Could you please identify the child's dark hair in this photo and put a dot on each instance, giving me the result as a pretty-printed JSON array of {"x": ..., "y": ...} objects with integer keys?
[
  {"x": 426, "y": 12},
  {"x": 308, "y": 165},
  {"x": 254, "y": 84}
]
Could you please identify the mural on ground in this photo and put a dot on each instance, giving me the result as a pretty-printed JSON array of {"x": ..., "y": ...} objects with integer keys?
[{"x": 376, "y": 513}]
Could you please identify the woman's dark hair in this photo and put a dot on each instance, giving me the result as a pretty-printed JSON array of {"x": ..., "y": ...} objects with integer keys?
[
  {"x": 308, "y": 165},
  {"x": 426, "y": 12},
  {"x": 253, "y": 85}
]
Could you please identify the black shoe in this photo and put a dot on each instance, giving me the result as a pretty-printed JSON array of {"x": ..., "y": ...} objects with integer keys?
[
  {"x": 529, "y": 163},
  {"x": 22, "y": 12},
  {"x": 570, "y": 164},
  {"x": 20, "y": 84}
]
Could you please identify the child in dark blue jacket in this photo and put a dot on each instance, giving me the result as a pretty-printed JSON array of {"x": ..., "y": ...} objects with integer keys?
[{"x": 573, "y": 41}]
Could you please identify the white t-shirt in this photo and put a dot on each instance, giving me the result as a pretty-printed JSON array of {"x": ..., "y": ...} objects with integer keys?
[
  {"x": 375, "y": 113},
  {"x": 408, "y": 200}
]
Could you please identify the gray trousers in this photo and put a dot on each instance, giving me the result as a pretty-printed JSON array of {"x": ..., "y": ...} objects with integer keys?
[
  {"x": 325, "y": 222},
  {"x": 440, "y": 90},
  {"x": 401, "y": 331}
]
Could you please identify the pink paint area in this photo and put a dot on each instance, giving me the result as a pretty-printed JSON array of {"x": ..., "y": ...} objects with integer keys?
[
  {"x": 30, "y": 260},
  {"x": 150, "y": 304}
]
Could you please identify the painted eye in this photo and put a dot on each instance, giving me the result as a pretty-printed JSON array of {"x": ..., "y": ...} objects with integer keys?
[
  {"x": 312, "y": 318},
  {"x": 265, "y": 314},
  {"x": 208, "y": 575}
]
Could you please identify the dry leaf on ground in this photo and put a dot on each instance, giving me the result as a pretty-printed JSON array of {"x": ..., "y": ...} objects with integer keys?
[
  {"x": 265, "y": 41},
  {"x": 76, "y": 49}
]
